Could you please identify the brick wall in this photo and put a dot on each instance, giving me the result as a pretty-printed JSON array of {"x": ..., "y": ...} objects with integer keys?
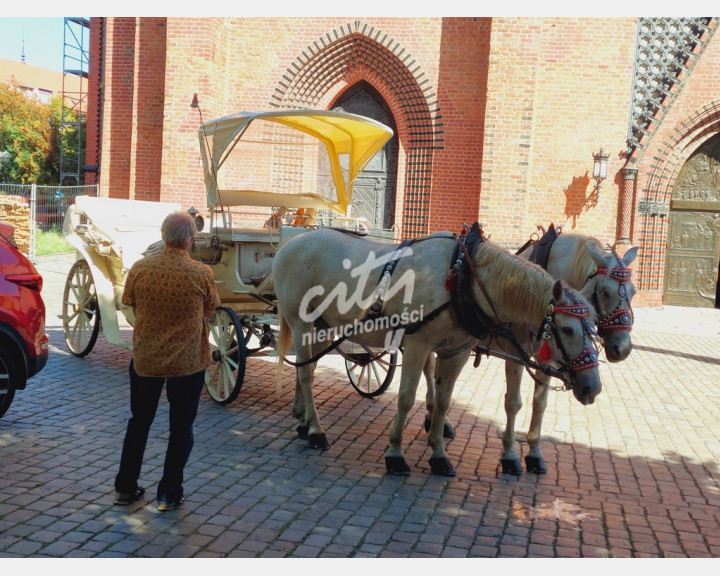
[
  {"x": 497, "y": 118},
  {"x": 558, "y": 91}
]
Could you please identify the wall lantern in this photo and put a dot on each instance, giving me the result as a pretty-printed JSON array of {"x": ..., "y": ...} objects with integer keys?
[{"x": 600, "y": 168}]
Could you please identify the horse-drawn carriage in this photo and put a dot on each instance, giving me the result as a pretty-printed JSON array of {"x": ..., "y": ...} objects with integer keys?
[{"x": 269, "y": 177}]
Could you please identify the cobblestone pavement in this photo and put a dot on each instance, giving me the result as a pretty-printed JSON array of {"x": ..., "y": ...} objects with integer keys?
[{"x": 634, "y": 475}]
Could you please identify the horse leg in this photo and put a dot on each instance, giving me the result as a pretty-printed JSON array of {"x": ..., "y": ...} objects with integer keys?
[
  {"x": 413, "y": 359},
  {"x": 513, "y": 402},
  {"x": 316, "y": 436},
  {"x": 298, "y": 410},
  {"x": 448, "y": 372},
  {"x": 534, "y": 461},
  {"x": 429, "y": 371}
]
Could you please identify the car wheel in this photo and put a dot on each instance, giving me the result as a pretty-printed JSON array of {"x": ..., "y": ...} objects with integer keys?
[{"x": 8, "y": 380}]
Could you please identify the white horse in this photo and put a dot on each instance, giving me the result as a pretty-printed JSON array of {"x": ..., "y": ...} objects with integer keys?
[
  {"x": 326, "y": 284},
  {"x": 583, "y": 263}
]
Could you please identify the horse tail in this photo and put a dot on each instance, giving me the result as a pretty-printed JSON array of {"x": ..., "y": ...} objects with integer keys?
[{"x": 284, "y": 340}]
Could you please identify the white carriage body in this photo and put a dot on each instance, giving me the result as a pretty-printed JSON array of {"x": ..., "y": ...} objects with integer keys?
[{"x": 256, "y": 165}]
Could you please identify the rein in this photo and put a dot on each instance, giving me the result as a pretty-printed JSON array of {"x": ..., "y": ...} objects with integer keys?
[
  {"x": 587, "y": 359},
  {"x": 375, "y": 309}
]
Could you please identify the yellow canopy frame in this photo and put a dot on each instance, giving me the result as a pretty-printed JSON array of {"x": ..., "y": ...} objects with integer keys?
[{"x": 249, "y": 160}]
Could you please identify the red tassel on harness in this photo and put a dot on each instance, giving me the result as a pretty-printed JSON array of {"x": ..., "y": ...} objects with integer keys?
[{"x": 544, "y": 354}]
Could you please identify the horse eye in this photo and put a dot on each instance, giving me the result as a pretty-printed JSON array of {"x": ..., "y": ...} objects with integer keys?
[{"x": 567, "y": 330}]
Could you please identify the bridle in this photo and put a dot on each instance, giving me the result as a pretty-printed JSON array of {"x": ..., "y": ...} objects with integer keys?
[
  {"x": 588, "y": 357},
  {"x": 620, "y": 318}
]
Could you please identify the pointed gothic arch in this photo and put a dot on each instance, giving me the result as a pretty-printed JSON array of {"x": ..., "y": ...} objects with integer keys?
[
  {"x": 355, "y": 52},
  {"x": 655, "y": 197}
]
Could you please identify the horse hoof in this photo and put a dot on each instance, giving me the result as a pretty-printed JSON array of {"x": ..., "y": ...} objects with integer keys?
[
  {"x": 397, "y": 466},
  {"x": 441, "y": 467},
  {"x": 448, "y": 431},
  {"x": 302, "y": 431},
  {"x": 535, "y": 465},
  {"x": 318, "y": 441},
  {"x": 512, "y": 467}
]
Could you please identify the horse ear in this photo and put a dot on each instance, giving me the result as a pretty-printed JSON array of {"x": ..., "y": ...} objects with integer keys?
[
  {"x": 630, "y": 255},
  {"x": 558, "y": 290},
  {"x": 598, "y": 255}
]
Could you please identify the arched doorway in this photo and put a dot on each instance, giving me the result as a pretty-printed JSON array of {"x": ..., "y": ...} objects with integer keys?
[
  {"x": 693, "y": 254},
  {"x": 374, "y": 191}
]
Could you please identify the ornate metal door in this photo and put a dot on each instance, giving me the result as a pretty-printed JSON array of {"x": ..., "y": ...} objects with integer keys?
[
  {"x": 374, "y": 191},
  {"x": 691, "y": 272}
]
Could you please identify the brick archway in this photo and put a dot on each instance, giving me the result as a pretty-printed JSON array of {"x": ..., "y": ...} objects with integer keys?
[
  {"x": 661, "y": 174},
  {"x": 356, "y": 52}
]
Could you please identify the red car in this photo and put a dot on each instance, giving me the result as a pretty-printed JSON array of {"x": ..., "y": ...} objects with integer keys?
[{"x": 23, "y": 342}]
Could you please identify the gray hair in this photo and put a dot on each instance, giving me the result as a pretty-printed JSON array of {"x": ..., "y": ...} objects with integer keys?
[{"x": 178, "y": 229}]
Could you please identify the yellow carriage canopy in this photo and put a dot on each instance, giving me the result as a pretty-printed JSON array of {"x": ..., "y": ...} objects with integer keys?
[{"x": 289, "y": 158}]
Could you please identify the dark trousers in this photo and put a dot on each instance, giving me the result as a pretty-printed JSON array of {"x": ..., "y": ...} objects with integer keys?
[{"x": 183, "y": 393}]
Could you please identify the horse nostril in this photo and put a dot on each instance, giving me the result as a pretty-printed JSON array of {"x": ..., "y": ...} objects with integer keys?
[{"x": 587, "y": 395}]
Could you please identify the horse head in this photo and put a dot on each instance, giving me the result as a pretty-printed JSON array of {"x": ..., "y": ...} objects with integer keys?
[
  {"x": 611, "y": 291},
  {"x": 567, "y": 334}
]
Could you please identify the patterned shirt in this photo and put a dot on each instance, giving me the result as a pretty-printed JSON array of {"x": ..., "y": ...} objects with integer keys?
[{"x": 171, "y": 294}]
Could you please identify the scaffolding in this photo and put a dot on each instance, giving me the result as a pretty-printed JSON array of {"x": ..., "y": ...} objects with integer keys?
[{"x": 76, "y": 64}]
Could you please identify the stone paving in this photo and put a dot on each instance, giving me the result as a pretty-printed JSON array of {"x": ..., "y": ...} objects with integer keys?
[{"x": 634, "y": 475}]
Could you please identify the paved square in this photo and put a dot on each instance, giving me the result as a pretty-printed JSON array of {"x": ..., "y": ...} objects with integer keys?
[{"x": 634, "y": 475}]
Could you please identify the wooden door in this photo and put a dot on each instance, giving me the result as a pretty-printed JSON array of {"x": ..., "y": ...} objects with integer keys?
[{"x": 374, "y": 191}]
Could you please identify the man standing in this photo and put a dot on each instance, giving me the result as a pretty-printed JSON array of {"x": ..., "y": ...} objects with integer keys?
[{"x": 171, "y": 296}]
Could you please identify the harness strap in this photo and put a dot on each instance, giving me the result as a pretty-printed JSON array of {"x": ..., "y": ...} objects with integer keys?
[
  {"x": 541, "y": 248},
  {"x": 376, "y": 307},
  {"x": 471, "y": 316},
  {"x": 319, "y": 355},
  {"x": 415, "y": 326},
  {"x": 522, "y": 248}
]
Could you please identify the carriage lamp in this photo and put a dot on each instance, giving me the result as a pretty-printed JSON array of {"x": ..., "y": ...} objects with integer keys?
[
  {"x": 195, "y": 103},
  {"x": 600, "y": 168}
]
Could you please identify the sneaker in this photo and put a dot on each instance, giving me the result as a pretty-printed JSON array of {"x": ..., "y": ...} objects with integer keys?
[
  {"x": 125, "y": 498},
  {"x": 165, "y": 504}
]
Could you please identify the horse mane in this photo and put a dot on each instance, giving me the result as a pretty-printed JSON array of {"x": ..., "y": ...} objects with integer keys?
[
  {"x": 521, "y": 285},
  {"x": 582, "y": 263}
]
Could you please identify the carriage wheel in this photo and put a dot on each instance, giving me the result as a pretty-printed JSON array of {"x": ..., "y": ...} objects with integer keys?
[
  {"x": 253, "y": 342},
  {"x": 80, "y": 312},
  {"x": 224, "y": 377},
  {"x": 370, "y": 377}
]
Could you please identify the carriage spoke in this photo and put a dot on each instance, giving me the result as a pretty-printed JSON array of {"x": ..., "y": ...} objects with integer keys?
[
  {"x": 80, "y": 313},
  {"x": 224, "y": 377},
  {"x": 371, "y": 375}
]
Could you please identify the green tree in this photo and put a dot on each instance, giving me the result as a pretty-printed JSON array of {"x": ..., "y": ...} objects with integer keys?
[{"x": 29, "y": 133}]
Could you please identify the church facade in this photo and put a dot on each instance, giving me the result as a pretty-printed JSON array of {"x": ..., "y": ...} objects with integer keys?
[{"x": 499, "y": 120}]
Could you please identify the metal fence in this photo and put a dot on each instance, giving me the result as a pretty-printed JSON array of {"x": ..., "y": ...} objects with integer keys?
[{"x": 48, "y": 205}]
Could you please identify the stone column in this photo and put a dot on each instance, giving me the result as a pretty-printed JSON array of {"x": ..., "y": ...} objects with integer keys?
[{"x": 625, "y": 204}]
